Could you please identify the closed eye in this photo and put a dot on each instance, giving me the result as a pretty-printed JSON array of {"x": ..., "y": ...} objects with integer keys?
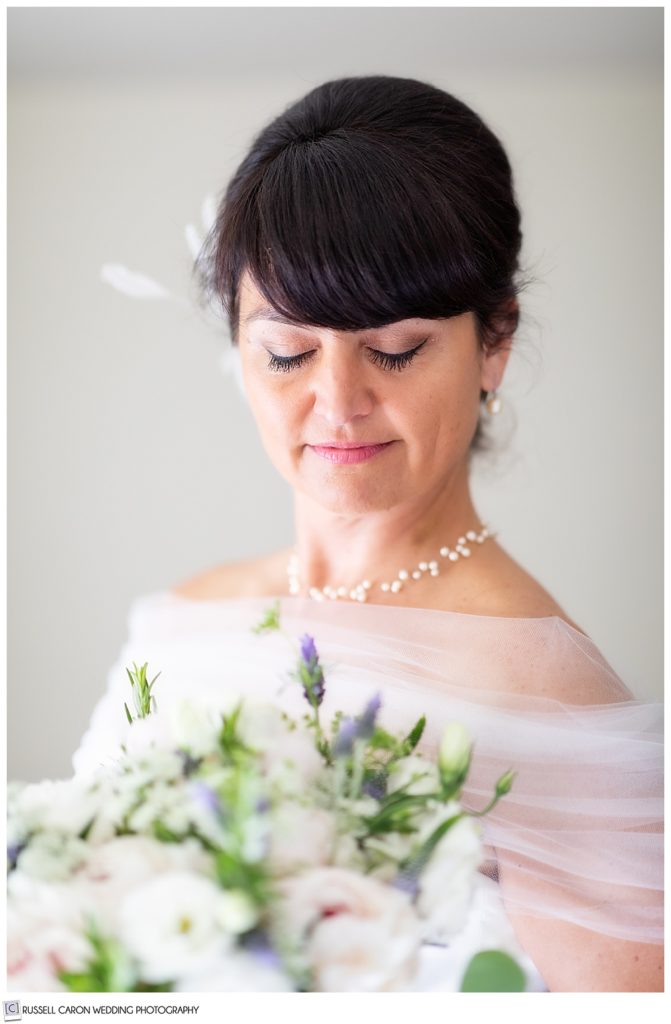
[
  {"x": 282, "y": 364},
  {"x": 387, "y": 360},
  {"x": 396, "y": 360}
]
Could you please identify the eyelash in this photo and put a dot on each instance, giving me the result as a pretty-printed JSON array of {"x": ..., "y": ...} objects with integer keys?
[{"x": 387, "y": 360}]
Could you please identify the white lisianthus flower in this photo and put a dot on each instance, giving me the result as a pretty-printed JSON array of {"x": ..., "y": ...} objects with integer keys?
[
  {"x": 236, "y": 912},
  {"x": 300, "y": 837},
  {"x": 447, "y": 883},
  {"x": 238, "y": 971},
  {"x": 425, "y": 774},
  {"x": 176, "y": 925},
  {"x": 362, "y": 936},
  {"x": 114, "y": 868}
]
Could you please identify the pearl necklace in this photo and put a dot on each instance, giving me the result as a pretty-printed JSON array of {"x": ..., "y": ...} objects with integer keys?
[{"x": 361, "y": 591}]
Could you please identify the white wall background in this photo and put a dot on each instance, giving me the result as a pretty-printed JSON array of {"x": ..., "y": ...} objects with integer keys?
[{"x": 133, "y": 461}]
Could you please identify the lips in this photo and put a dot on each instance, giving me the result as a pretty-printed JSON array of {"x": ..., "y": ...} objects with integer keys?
[{"x": 350, "y": 452}]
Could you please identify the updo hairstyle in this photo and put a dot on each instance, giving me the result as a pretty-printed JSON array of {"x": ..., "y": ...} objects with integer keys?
[{"x": 371, "y": 199}]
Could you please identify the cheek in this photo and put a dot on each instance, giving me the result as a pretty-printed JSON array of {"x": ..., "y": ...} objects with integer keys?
[
  {"x": 439, "y": 419},
  {"x": 274, "y": 407}
]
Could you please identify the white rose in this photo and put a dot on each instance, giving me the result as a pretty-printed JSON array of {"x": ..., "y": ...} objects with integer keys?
[
  {"x": 45, "y": 922},
  {"x": 128, "y": 860},
  {"x": 447, "y": 883},
  {"x": 175, "y": 925},
  {"x": 239, "y": 971},
  {"x": 34, "y": 956},
  {"x": 300, "y": 837},
  {"x": 403, "y": 770},
  {"x": 362, "y": 936}
]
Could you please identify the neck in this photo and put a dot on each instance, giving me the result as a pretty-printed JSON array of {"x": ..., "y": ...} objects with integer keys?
[{"x": 335, "y": 549}]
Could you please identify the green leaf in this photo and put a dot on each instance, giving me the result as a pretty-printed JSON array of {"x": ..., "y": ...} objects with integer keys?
[
  {"x": 414, "y": 736},
  {"x": 142, "y": 696},
  {"x": 84, "y": 834},
  {"x": 419, "y": 861},
  {"x": 270, "y": 621},
  {"x": 128, "y": 714},
  {"x": 493, "y": 971},
  {"x": 109, "y": 968},
  {"x": 382, "y": 740},
  {"x": 164, "y": 834},
  {"x": 396, "y": 813}
]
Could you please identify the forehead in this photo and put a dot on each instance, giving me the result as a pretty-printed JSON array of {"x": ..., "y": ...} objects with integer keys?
[{"x": 253, "y": 305}]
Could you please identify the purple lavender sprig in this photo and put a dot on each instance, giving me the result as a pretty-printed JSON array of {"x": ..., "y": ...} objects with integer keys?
[
  {"x": 310, "y": 675},
  {"x": 360, "y": 728},
  {"x": 310, "y": 672}
]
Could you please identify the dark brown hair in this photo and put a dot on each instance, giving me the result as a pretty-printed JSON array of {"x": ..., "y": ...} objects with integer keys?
[{"x": 370, "y": 200}]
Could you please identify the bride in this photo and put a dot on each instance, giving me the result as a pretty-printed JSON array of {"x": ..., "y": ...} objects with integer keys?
[{"x": 366, "y": 255}]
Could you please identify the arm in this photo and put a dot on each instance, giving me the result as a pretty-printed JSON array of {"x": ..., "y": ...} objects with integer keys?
[{"x": 574, "y": 959}]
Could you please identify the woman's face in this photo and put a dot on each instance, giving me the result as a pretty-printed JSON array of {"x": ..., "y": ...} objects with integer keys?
[{"x": 367, "y": 420}]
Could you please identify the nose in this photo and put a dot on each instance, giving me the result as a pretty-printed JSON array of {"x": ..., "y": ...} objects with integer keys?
[{"x": 341, "y": 391}]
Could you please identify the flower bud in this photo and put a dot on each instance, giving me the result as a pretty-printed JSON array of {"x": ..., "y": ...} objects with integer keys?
[
  {"x": 504, "y": 784},
  {"x": 454, "y": 756}
]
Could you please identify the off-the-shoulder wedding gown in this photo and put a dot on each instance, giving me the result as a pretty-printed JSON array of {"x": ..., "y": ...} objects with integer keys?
[{"x": 579, "y": 836}]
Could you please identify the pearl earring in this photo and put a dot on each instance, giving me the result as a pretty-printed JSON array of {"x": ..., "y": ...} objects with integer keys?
[{"x": 494, "y": 403}]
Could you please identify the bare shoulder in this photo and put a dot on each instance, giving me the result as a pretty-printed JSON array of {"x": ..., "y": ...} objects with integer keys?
[
  {"x": 498, "y": 585},
  {"x": 501, "y": 587},
  {"x": 253, "y": 577}
]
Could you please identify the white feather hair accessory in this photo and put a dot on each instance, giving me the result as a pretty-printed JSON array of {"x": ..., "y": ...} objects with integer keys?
[{"x": 138, "y": 285}]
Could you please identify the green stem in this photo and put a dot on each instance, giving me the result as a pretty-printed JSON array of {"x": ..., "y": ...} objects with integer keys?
[
  {"x": 492, "y": 803},
  {"x": 357, "y": 768}
]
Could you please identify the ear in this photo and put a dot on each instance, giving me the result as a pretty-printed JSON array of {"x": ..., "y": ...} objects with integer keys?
[
  {"x": 495, "y": 356},
  {"x": 494, "y": 364}
]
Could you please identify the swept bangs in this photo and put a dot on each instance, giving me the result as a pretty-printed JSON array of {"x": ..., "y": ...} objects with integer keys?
[{"x": 370, "y": 200}]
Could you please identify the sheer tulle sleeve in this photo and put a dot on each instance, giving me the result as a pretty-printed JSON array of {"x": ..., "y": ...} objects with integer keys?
[{"x": 579, "y": 837}]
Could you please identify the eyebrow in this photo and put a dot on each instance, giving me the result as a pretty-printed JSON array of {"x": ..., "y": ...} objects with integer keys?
[{"x": 270, "y": 313}]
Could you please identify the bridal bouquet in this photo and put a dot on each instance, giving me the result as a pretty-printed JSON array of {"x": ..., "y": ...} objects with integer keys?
[{"x": 229, "y": 847}]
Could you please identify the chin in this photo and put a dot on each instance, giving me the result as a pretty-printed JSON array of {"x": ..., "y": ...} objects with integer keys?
[{"x": 354, "y": 498}]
